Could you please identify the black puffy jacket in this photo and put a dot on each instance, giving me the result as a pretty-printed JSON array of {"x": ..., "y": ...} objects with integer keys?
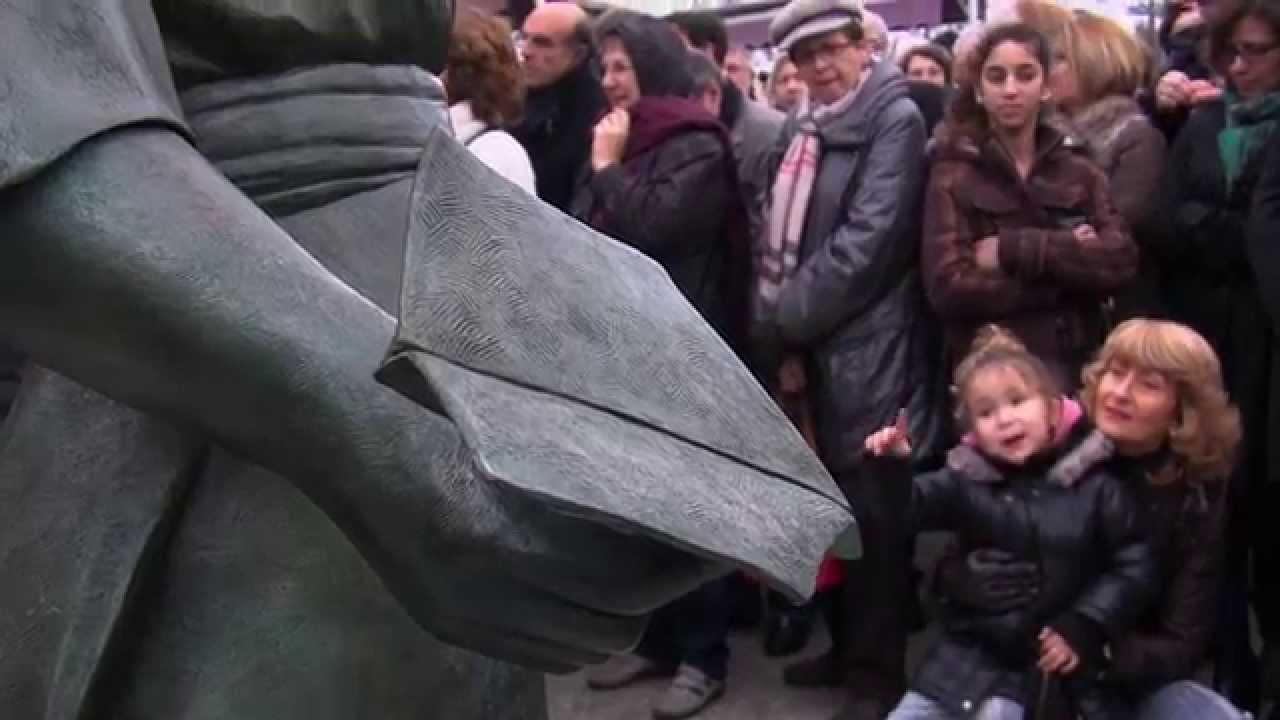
[{"x": 1061, "y": 511}]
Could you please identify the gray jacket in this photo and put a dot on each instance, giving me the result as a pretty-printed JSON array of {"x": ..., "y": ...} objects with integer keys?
[
  {"x": 855, "y": 305},
  {"x": 754, "y": 136}
]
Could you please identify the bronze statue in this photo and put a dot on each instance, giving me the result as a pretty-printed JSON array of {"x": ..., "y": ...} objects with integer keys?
[{"x": 210, "y": 507}]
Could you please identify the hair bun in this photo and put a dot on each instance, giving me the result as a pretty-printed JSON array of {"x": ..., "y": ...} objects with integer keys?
[{"x": 994, "y": 338}]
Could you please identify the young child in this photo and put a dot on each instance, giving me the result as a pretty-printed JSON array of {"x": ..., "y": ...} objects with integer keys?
[{"x": 1027, "y": 482}]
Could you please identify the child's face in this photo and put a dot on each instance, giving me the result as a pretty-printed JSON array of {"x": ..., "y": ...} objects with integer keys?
[{"x": 1010, "y": 418}]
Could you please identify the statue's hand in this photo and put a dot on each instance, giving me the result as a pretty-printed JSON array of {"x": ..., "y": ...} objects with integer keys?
[{"x": 498, "y": 572}]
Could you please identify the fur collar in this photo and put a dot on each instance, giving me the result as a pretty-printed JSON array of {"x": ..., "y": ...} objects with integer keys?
[
  {"x": 1090, "y": 452},
  {"x": 1105, "y": 114},
  {"x": 952, "y": 142},
  {"x": 1101, "y": 125}
]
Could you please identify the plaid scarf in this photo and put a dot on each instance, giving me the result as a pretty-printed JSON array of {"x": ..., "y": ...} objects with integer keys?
[
  {"x": 792, "y": 190},
  {"x": 779, "y": 256},
  {"x": 789, "y": 203}
]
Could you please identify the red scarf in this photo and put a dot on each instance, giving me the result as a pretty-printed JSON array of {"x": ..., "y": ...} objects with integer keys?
[{"x": 656, "y": 119}]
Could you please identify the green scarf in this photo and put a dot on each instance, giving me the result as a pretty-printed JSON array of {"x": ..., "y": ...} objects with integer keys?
[{"x": 1249, "y": 124}]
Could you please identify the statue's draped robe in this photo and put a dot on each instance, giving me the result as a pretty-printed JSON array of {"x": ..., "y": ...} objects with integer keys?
[{"x": 146, "y": 573}]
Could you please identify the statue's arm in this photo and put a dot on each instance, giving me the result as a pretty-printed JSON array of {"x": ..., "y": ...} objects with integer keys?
[{"x": 133, "y": 267}]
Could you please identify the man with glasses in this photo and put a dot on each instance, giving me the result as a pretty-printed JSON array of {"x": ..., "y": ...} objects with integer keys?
[
  {"x": 838, "y": 295},
  {"x": 564, "y": 99}
]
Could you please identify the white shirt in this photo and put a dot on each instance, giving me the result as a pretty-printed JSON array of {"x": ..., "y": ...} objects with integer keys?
[{"x": 493, "y": 147}]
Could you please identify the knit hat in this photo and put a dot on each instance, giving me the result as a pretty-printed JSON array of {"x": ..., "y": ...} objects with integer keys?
[
  {"x": 801, "y": 19},
  {"x": 658, "y": 55}
]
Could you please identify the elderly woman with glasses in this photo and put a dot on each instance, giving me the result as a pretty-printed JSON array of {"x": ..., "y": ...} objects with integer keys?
[{"x": 838, "y": 310}]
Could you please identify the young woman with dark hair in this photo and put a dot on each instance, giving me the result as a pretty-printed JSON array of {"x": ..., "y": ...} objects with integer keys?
[{"x": 1020, "y": 229}]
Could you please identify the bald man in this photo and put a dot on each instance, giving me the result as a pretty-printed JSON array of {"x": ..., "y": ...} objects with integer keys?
[
  {"x": 564, "y": 98},
  {"x": 876, "y": 33}
]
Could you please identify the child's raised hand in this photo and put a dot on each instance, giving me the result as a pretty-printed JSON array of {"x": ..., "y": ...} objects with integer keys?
[
  {"x": 891, "y": 440},
  {"x": 1056, "y": 656}
]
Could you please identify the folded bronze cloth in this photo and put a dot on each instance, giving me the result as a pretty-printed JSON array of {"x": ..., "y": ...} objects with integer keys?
[{"x": 578, "y": 373}]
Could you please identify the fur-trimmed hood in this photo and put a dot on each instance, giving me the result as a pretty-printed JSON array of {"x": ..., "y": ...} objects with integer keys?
[
  {"x": 1102, "y": 125},
  {"x": 1084, "y": 456}
]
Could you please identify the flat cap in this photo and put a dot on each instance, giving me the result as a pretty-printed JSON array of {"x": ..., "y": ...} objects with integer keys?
[{"x": 800, "y": 19}]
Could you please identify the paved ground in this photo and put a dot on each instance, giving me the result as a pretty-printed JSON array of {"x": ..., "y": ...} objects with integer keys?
[{"x": 755, "y": 692}]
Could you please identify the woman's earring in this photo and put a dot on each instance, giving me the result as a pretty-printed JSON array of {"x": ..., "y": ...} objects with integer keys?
[{"x": 977, "y": 97}]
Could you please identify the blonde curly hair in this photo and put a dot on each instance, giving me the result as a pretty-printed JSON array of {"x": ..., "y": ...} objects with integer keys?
[{"x": 1206, "y": 431}]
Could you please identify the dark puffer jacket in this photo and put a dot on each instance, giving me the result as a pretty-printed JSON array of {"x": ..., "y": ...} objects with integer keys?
[
  {"x": 1050, "y": 288},
  {"x": 1063, "y": 512},
  {"x": 855, "y": 306}
]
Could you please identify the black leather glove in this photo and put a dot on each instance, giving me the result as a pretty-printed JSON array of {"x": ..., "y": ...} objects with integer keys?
[{"x": 987, "y": 580}]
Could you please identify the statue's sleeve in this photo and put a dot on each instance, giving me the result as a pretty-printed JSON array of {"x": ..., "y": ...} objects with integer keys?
[{"x": 72, "y": 69}]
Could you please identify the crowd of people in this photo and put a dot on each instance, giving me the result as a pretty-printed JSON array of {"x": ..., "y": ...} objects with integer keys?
[{"x": 1023, "y": 289}]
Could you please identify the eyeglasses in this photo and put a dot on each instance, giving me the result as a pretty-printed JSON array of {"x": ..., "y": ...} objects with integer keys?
[
  {"x": 541, "y": 42},
  {"x": 1248, "y": 52},
  {"x": 808, "y": 54}
]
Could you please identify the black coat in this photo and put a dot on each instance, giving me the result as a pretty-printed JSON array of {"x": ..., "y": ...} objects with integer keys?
[
  {"x": 1186, "y": 526},
  {"x": 1262, "y": 233},
  {"x": 1200, "y": 233},
  {"x": 1196, "y": 233},
  {"x": 556, "y": 131},
  {"x": 1076, "y": 522},
  {"x": 673, "y": 202}
]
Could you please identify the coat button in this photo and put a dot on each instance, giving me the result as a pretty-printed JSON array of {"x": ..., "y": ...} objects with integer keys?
[{"x": 967, "y": 705}]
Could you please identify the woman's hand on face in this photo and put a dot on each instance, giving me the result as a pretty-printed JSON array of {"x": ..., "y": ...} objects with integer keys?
[
  {"x": 891, "y": 440},
  {"x": 1056, "y": 656},
  {"x": 987, "y": 251},
  {"x": 610, "y": 139}
]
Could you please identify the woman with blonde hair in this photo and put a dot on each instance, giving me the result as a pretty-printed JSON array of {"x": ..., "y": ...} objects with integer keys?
[
  {"x": 1155, "y": 390},
  {"x": 1098, "y": 68}
]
